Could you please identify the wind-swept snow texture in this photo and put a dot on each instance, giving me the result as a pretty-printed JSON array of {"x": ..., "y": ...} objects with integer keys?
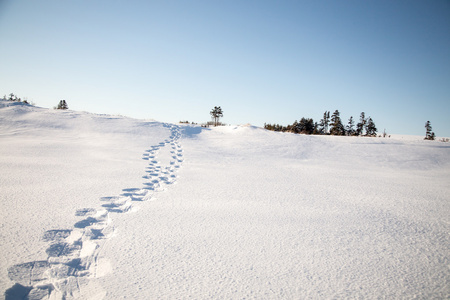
[
  {"x": 54, "y": 166},
  {"x": 253, "y": 214}
]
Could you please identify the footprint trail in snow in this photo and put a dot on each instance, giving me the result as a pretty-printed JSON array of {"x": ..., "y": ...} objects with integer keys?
[{"x": 74, "y": 254}]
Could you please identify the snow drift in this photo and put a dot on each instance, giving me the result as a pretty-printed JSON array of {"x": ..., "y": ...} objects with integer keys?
[{"x": 97, "y": 206}]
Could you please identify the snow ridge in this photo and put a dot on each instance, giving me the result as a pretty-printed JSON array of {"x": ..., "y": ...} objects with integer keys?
[{"x": 75, "y": 254}]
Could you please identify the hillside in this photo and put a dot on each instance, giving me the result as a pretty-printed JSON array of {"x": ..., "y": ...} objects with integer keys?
[{"x": 99, "y": 206}]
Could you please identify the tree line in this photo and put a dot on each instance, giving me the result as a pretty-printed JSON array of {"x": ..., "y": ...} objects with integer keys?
[
  {"x": 331, "y": 125},
  {"x": 328, "y": 125}
]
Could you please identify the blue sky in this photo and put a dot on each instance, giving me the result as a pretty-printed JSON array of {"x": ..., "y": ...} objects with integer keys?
[{"x": 261, "y": 61}]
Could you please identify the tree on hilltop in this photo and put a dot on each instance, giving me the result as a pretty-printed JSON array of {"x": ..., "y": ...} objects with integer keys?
[
  {"x": 305, "y": 126},
  {"x": 429, "y": 135},
  {"x": 336, "y": 124},
  {"x": 361, "y": 124},
  {"x": 371, "y": 129},
  {"x": 216, "y": 114},
  {"x": 349, "y": 128},
  {"x": 13, "y": 97},
  {"x": 62, "y": 105},
  {"x": 325, "y": 122}
]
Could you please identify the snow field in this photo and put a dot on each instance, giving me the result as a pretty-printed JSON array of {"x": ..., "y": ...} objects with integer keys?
[
  {"x": 253, "y": 214},
  {"x": 257, "y": 214},
  {"x": 73, "y": 256}
]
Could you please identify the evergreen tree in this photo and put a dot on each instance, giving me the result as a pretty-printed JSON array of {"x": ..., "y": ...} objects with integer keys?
[
  {"x": 216, "y": 114},
  {"x": 305, "y": 126},
  {"x": 13, "y": 97},
  {"x": 336, "y": 124},
  {"x": 316, "y": 128},
  {"x": 275, "y": 127},
  {"x": 360, "y": 126},
  {"x": 325, "y": 122},
  {"x": 328, "y": 120},
  {"x": 293, "y": 128},
  {"x": 321, "y": 127},
  {"x": 429, "y": 135},
  {"x": 62, "y": 105},
  {"x": 349, "y": 128},
  {"x": 371, "y": 129}
]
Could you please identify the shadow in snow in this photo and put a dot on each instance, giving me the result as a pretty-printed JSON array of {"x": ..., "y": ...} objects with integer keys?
[
  {"x": 85, "y": 212},
  {"x": 191, "y": 131},
  {"x": 85, "y": 223},
  {"x": 17, "y": 291},
  {"x": 57, "y": 234},
  {"x": 62, "y": 249},
  {"x": 29, "y": 273}
]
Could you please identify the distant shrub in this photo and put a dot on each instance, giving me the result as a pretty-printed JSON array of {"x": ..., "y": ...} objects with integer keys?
[
  {"x": 12, "y": 97},
  {"x": 213, "y": 123},
  {"x": 62, "y": 105}
]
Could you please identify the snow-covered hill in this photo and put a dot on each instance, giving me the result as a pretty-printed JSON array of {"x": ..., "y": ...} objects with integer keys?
[{"x": 97, "y": 206}]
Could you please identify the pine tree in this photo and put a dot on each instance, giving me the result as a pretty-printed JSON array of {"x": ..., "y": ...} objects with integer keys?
[
  {"x": 349, "y": 128},
  {"x": 360, "y": 126},
  {"x": 62, "y": 105},
  {"x": 429, "y": 135},
  {"x": 336, "y": 124},
  {"x": 371, "y": 129},
  {"x": 216, "y": 114},
  {"x": 324, "y": 122},
  {"x": 316, "y": 128},
  {"x": 321, "y": 127},
  {"x": 305, "y": 126}
]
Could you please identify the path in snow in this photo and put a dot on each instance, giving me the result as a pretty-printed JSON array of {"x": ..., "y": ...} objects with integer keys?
[
  {"x": 75, "y": 254},
  {"x": 264, "y": 215}
]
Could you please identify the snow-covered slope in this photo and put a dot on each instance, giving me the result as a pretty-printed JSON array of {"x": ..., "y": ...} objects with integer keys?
[
  {"x": 232, "y": 212},
  {"x": 64, "y": 174}
]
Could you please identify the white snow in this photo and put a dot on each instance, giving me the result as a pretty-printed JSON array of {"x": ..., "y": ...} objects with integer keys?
[{"x": 98, "y": 206}]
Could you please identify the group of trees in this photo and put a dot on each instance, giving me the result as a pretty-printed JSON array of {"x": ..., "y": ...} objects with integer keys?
[
  {"x": 329, "y": 125},
  {"x": 62, "y": 104},
  {"x": 13, "y": 97}
]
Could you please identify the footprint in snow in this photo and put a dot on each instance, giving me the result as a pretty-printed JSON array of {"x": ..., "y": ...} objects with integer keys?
[
  {"x": 73, "y": 254},
  {"x": 117, "y": 204},
  {"x": 81, "y": 212},
  {"x": 63, "y": 249},
  {"x": 56, "y": 234}
]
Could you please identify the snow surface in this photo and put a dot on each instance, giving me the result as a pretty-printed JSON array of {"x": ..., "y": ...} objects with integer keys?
[{"x": 99, "y": 206}]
